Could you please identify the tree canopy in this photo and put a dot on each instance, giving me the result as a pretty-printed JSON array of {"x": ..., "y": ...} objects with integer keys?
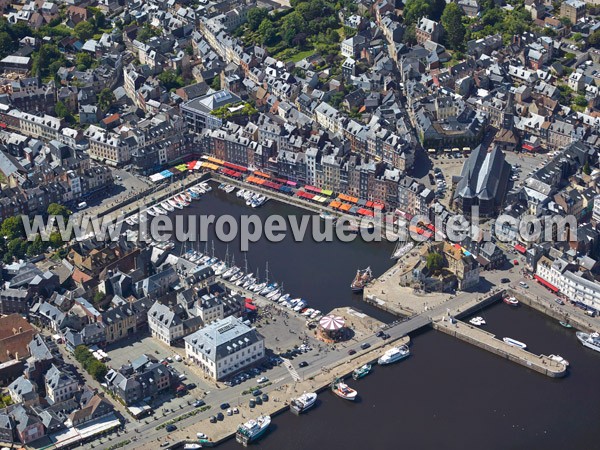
[
  {"x": 453, "y": 26},
  {"x": 434, "y": 262}
]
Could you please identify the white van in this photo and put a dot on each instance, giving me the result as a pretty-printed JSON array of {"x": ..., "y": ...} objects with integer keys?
[
  {"x": 523, "y": 285},
  {"x": 82, "y": 205}
]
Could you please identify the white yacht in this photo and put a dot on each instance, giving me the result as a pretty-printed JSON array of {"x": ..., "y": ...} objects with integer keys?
[
  {"x": 589, "y": 340},
  {"x": 394, "y": 354}
]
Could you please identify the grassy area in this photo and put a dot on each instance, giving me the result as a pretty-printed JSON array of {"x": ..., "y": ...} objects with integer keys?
[{"x": 300, "y": 56}]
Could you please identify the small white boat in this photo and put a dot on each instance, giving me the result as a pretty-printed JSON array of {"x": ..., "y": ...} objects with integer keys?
[
  {"x": 276, "y": 296},
  {"x": 308, "y": 312},
  {"x": 344, "y": 391},
  {"x": 477, "y": 321},
  {"x": 514, "y": 343},
  {"x": 511, "y": 301},
  {"x": 204, "y": 185},
  {"x": 559, "y": 359},
  {"x": 230, "y": 272},
  {"x": 165, "y": 205},
  {"x": 174, "y": 203},
  {"x": 273, "y": 293},
  {"x": 283, "y": 299},
  {"x": 315, "y": 313},
  {"x": 240, "y": 193},
  {"x": 258, "y": 287},
  {"x": 236, "y": 276}
]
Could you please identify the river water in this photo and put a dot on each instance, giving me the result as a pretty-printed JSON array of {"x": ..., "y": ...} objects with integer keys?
[{"x": 448, "y": 394}]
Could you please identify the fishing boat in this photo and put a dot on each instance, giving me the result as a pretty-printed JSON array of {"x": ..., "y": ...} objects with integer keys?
[
  {"x": 559, "y": 359},
  {"x": 252, "y": 430},
  {"x": 361, "y": 279},
  {"x": 362, "y": 371},
  {"x": 303, "y": 403},
  {"x": 565, "y": 324},
  {"x": 511, "y": 301},
  {"x": 589, "y": 340},
  {"x": 342, "y": 390},
  {"x": 514, "y": 343},
  {"x": 477, "y": 321},
  {"x": 394, "y": 354}
]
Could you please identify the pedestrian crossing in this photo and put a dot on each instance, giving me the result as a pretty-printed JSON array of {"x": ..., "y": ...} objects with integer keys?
[{"x": 290, "y": 368}]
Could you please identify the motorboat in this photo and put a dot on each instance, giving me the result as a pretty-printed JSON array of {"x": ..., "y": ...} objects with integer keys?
[
  {"x": 511, "y": 301},
  {"x": 477, "y": 321},
  {"x": 589, "y": 340},
  {"x": 394, "y": 354},
  {"x": 514, "y": 343},
  {"x": 303, "y": 403},
  {"x": 362, "y": 371},
  {"x": 344, "y": 391}
]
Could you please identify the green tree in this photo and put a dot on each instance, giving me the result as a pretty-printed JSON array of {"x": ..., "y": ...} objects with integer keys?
[
  {"x": 414, "y": 10},
  {"x": 48, "y": 60},
  {"x": 434, "y": 262},
  {"x": 56, "y": 209},
  {"x": 84, "y": 61},
  {"x": 453, "y": 26},
  {"x": 586, "y": 168},
  {"x": 7, "y": 44},
  {"x": 580, "y": 100},
  {"x": 36, "y": 247},
  {"x": 12, "y": 227},
  {"x": 98, "y": 297},
  {"x": 216, "y": 83},
  {"x": 61, "y": 110},
  {"x": 267, "y": 31},
  {"x": 594, "y": 39},
  {"x": 171, "y": 80},
  {"x": 97, "y": 369},
  {"x": 106, "y": 98},
  {"x": 17, "y": 247},
  {"x": 255, "y": 17},
  {"x": 84, "y": 30},
  {"x": 146, "y": 32}
]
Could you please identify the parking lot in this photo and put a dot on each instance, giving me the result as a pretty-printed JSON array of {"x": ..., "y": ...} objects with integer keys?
[{"x": 142, "y": 343}]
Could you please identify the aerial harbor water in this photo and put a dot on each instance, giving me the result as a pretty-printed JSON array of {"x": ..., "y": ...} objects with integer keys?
[
  {"x": 318, "y": 272},
  {"x": 448, "y": 392}
]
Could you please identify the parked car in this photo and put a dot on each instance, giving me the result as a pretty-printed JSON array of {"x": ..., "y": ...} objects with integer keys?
[
  {"x": 379, "y": 333},
  {"x": 256, "y": 392},
  {"x": 365, "y": 345},
  {"x": 559, "y": 301},
  {"x": 351, "y": 351},
  {"x": 198, "y": 403},
  {"x": 170, "y": 428},
  {"x": 262, "y": 380},
  {"x": 504, "y": 280},
  {"x": 303, "y": 364},
  {"x": 191, "y": 386},
  {"x": 220, "y": 416},
  {"x": 224, "y": 406}
]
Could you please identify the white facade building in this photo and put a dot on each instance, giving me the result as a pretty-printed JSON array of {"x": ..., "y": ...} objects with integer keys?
[{"x": 225, "y": 347}]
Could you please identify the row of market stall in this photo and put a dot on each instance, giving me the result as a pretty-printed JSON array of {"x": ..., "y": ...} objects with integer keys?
[{"x": 325, "y": 197}]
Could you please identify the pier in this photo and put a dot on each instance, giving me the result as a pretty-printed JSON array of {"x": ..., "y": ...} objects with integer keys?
[{"x": 487, "y": 341}]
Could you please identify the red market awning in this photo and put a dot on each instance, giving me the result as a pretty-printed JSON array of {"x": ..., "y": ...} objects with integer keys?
[
  {"x": 520, "y": 248},
  {"x": 545, "y": 283}
]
